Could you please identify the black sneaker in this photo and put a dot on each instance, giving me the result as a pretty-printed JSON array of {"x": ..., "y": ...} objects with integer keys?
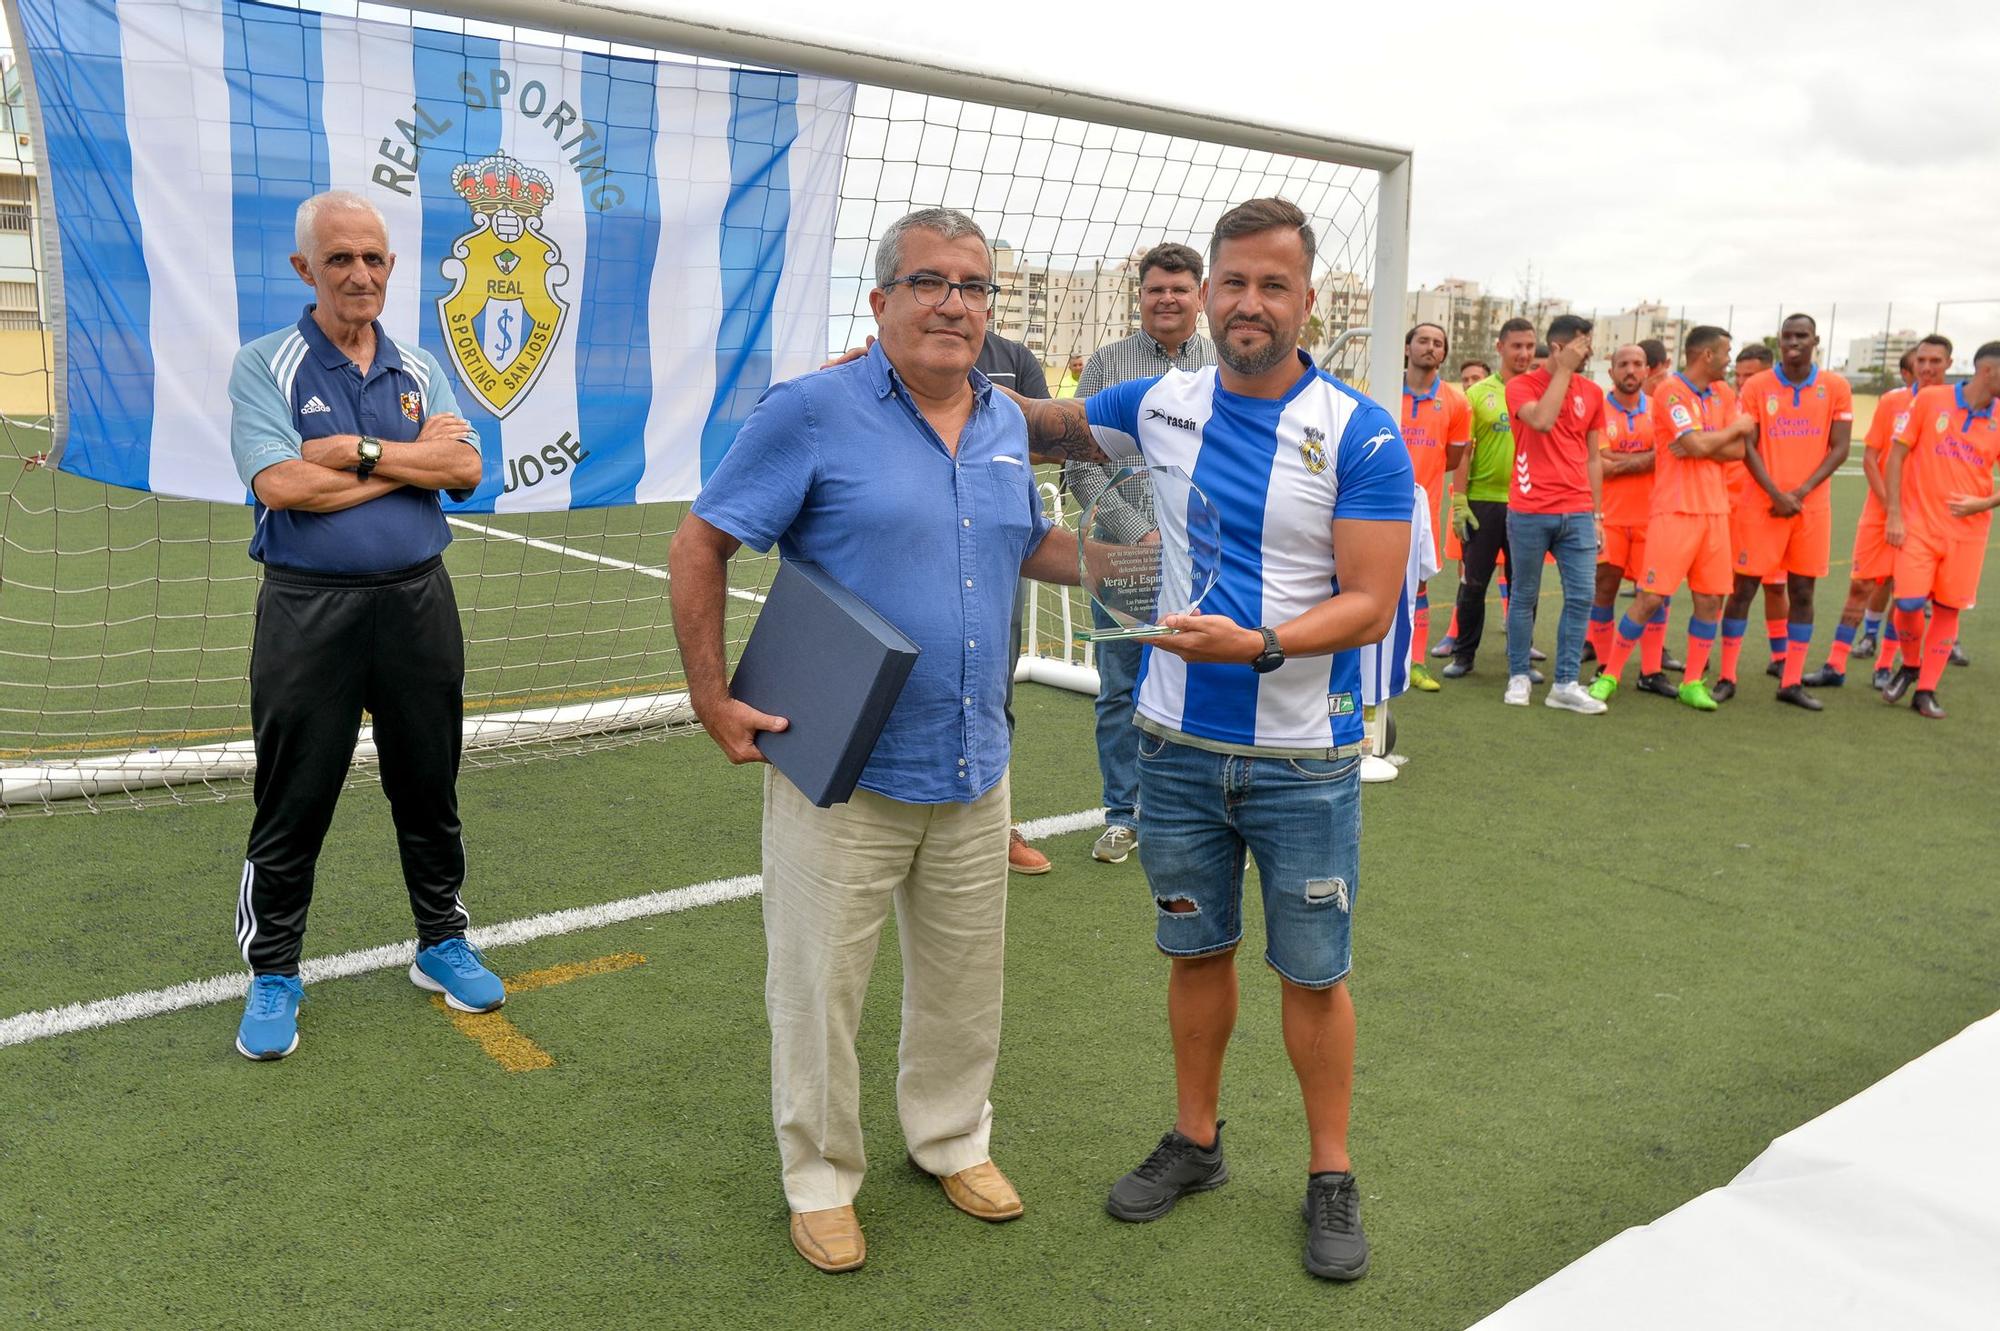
[
  {"x": 1865, "y": 648},
  {"x": 1724, "y": 690},
  {"x": 1958, "y": 657},
  {"x": 1776, "y": 670},
  {"x": 1456, "y": 668},
  {"x": 1336, "y": 1249},
  {"x": 1660, "y": 684},
  {"x": 1826, "y": 677},
  {"x": 1796, "y": 695},
  {"x": 1176, "y": 1168},
  {"x": 1926, "y": 704},
  {"x": 1668, "y": 661},
  {"x": 1899, "y": 684},
  {"x": 1880, "y": 679}
]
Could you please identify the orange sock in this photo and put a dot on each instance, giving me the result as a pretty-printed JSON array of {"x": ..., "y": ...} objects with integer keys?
[
  {"x": 1701, "y": 642},
  {"x": 1910, "y": 636},
  {"x": 1622, "y": 643},
  {"x": 1938, "y": 645},
  {"x": 1653, "y": 647},
  {"x": 1732, "y": 649},
  {"x": 1796, "y": 646}
]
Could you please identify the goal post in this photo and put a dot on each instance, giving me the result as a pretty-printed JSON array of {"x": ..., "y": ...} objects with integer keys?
[
  {"x": 126, "y": 616},
  {"x": 651, "y": 23}
]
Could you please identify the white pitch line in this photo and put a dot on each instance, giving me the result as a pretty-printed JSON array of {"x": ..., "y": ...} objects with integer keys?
[
  {"x": 558, "y": 548},
  {"x": 28, "y": 1027}
]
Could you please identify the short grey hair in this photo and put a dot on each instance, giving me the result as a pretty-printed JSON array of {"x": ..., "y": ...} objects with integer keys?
[
  {"x": 305, "y": 226},
  {"x": 949, "y": 223}
]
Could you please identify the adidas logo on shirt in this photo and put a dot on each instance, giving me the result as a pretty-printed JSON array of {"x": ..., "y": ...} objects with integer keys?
[{"x": 314, "y": 404}]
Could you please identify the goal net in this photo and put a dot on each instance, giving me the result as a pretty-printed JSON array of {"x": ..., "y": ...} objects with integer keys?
[{"x": 126, "y": 616}]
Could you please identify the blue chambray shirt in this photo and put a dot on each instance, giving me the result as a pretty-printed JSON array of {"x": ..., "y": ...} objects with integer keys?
[{"x": 839, "y": 467}]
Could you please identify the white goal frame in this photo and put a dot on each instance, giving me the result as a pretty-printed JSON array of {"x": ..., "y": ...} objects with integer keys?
[{"x": 652, "y": 24}]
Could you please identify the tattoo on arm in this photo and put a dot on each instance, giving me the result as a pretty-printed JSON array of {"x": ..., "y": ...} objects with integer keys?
[{"x": 1058, "y": 431}]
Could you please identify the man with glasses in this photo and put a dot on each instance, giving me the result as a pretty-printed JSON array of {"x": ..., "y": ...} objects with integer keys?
[
  {"x": 905, "y": 475},
  {"x": 1169, "y": 303}
]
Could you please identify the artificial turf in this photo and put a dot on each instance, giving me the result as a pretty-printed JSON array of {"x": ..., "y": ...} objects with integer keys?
[{"x": 1600, "y": 963}]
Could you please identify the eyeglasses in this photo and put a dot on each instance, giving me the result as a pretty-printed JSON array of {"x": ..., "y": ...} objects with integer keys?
[{"x": 932, "y": 290}]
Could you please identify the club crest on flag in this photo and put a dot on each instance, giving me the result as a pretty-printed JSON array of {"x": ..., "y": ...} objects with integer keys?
[
  {"x": 502, "y": 315},
  {"x": 1312, "y": 449}
]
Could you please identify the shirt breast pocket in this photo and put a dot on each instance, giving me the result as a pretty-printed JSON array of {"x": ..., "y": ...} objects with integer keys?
[{"x": 1008, "y": 496}]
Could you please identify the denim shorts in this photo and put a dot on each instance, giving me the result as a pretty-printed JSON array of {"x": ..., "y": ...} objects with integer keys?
[{"x": 1199, "y": 812}]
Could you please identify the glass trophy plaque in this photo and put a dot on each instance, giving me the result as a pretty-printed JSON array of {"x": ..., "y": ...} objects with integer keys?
[{"x": 1149, "y": 546}]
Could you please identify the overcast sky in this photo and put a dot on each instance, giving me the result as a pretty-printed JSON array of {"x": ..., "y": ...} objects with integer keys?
[{"x": 1798, "y": 154}]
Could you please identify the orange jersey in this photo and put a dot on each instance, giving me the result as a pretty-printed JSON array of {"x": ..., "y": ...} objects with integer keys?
[
  {"x": 1432, "y": 422},
  {"x": 1888, "y": 417},
  {"x": 1689, "y": 485},
  {"x": 1628, "y": 500},
  {"x": 1794, "y": 422},
  {"x": 1953, "y": 450}
]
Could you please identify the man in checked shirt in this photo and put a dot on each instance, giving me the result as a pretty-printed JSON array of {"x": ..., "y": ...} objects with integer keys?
[{"x": 1169, "y": 304}]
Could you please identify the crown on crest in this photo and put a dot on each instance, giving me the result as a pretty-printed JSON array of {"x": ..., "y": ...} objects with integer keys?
[{"x": 500, "y": 184}]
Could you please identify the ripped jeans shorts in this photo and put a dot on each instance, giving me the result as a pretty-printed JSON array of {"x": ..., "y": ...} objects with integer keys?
[{"x": 1201, "y": 811}]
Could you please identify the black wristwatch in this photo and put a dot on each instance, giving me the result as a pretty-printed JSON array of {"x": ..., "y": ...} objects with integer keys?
[
  {"x": 1273, "y": 655},
  {"x": 370, "y": 451}
]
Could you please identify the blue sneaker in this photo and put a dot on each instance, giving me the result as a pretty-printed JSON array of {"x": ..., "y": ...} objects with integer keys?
[
  {"x": 270, "y": 1027},
  {"x": 453, "y": 968}
]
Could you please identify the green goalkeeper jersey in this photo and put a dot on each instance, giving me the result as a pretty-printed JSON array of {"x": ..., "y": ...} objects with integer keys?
[{"x": 1492, "y": 466}]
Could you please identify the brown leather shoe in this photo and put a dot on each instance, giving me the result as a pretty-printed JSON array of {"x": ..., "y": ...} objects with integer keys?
[
  {"x": 983, "y": 1192},
  {"x": 1022, "y": 857},
  {"x": 829, "y": 1239}
]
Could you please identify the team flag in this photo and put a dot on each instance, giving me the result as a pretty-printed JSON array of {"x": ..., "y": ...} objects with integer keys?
[{"x": 612, "y": 257}]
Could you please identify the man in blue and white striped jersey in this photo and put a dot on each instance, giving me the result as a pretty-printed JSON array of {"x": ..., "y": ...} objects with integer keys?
[{"x": 1251, "y": 711}]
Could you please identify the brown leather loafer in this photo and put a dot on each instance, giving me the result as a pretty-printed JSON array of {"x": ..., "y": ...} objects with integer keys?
[
  {"x": 1023, "y": 858},
  {"x": 983, "y": 1192},
  {"x": 830, "y": 1239}
]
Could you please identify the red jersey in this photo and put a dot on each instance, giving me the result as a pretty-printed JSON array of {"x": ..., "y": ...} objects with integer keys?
[
  {"x": 1432, "y": 422},
  {"x": 1552, "y": 470},
  {"x": 1689, "y": 485},
  {"x": 1952, "y": 452},
  {"x": 1628, "y": 500},
  {"x": 1794, "y": 422}
]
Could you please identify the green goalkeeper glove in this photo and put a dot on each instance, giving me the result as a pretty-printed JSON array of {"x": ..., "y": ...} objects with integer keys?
[{"x": 1462, "y": 519}]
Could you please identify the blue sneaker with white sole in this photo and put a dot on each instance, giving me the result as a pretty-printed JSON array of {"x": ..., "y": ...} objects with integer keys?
[
  {"x": 270, "y": 1027},
  {"x": 453, "y": 968}
]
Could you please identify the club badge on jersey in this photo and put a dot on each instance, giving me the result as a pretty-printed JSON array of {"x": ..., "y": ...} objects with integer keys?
[
  {"x": 1312, "y": 449},
  {"x": 413, "y": 406}
]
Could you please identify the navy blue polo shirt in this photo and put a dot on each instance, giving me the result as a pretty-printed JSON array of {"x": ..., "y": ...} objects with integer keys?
[{"x": 296, "y": 385}]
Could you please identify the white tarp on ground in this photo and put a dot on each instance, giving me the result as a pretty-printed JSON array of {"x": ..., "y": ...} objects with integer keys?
[{"x": 1882, "y": 1212}]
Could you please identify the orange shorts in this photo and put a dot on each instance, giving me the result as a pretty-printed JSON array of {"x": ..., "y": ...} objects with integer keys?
[
  {"x": 1626, "y": 548},
  {"x": 1691, "y": 548},
  {"x": 1946, "y": 571},
  {"x": 1874, "y": 557},
  {"x": 1769, "y": 548}
]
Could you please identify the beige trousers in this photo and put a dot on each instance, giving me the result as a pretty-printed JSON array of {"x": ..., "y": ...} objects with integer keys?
[{"x": 830, "y": 878}]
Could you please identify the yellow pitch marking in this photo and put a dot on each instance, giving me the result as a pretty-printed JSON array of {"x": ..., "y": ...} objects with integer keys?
[{"x": 501, "y": 1039}]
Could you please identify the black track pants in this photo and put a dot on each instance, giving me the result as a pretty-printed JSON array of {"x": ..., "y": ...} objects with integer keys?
[{"x": 325, "y": 648}]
